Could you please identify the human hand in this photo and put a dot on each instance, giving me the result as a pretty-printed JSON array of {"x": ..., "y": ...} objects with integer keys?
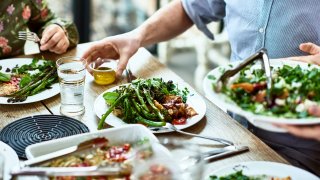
[
  {"x": 121, "y": 47},
  {"x": 54, "y": 39},
  {"x": 308, "y": 132},
  {"x": 312, "y": 49}
]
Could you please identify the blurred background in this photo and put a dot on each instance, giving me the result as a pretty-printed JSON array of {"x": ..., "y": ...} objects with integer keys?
[{"x": 191, "y": 55}]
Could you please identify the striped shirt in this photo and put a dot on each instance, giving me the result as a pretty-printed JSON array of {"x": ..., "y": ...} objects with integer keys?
[
  {"x": 280, "y": 26},
  {"x": 277, "y": 25}
]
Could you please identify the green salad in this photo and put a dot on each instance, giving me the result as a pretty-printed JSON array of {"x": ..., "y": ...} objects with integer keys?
[
  {"x": 151, "y": 102},
  {"x": 19, "y": 82},
  {"x": 295, "y": 91},
  {"x": 240, "y": 176}
]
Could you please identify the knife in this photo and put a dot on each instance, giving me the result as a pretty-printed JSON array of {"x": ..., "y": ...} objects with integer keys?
[
  {"x": 224, "y": 152},
  {"x": 92, "y": 143}
]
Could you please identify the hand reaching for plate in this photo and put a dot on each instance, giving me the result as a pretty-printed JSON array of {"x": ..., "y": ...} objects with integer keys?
[
  {"x": 308, "y": 132},
  {"x": 312, "y": 49}
]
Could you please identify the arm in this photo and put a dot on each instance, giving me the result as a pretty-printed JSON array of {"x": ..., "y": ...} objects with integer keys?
[
  {"x": 167, "y": 23},
  {"x": 51, "y": 28}
]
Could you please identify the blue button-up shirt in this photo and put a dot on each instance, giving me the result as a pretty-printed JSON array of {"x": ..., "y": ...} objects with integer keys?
[
  {"x": 280, "y": 26},
  {"x": 277, "y": 25}
]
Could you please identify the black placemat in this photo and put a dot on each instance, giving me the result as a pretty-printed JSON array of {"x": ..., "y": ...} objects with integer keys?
[{"x": 34, "y": 129}]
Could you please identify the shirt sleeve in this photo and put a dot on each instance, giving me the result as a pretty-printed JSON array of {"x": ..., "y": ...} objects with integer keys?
[
  {"x": 42, "y": 16},
  {"x": 202, "y": 12}
]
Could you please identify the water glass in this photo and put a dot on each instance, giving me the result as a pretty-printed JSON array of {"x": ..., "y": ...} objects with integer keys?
[{"x": 71, "y": 72}]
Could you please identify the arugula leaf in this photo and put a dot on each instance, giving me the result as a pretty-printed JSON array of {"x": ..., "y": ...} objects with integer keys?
[
  {"x": 110, "y": 97},
  {"x": 5, "y": 77},
  {"x": 25, "y": 81}
]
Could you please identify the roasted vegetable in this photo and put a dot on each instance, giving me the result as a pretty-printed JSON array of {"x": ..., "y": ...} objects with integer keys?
[{"x": 140, "y": 102}]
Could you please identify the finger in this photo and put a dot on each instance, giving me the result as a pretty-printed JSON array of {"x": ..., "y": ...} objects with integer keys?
[
  {"x": 60, "y": 47},
  {"x": 47, "y": 34},
  {"x": 310, "y": 132},
  {"x": 310, "y": 48},
  {"x": 122, "y": 64},
  {"x": 305, "y": 59},
  {"x": 91, "y": 49},
  {"x": 100, "y": 50},
  {"x": 305, "y": 132},
  {"x": 52, "y": 41}
]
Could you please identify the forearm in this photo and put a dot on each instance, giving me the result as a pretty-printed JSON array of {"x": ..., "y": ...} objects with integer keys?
[{"x": 165, "y": 24}]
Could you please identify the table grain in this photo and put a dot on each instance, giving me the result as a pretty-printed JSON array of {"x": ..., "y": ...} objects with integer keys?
[{"x": 215, "y": 123}]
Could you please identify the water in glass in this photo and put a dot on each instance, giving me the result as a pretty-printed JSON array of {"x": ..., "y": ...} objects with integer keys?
[{"x": 72, "y": 77}]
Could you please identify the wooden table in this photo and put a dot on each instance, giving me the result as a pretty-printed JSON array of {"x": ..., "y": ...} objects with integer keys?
[{"x": 215, "y": 123}]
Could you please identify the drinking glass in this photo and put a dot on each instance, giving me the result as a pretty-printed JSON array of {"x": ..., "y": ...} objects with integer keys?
[
  {"x": 168, "y": 160},
  {"x": 71, "y": 72}
]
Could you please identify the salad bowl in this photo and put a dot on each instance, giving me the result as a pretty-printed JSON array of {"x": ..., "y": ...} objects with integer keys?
[{"x": 262, "y": 119}]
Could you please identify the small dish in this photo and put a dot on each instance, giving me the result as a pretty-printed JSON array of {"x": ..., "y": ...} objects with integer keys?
[{"x": 103, "y": 71}]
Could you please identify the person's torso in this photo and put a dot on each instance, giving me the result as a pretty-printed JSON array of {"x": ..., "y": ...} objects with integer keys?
[
  {"x": 279, "y": 26},
  {"x": 14, "y": 16}
]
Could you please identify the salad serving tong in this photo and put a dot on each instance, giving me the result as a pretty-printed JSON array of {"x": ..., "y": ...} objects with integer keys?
[{"x": 260, "y": 55}]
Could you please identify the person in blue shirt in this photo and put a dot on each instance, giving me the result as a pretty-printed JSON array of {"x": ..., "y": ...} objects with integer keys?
[{"x": 277, "y": 25}]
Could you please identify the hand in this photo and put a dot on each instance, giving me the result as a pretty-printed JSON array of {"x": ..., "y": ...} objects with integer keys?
[
  {"x": 121, "y": 47},
  {"x": 312, "y": 49},
  {"x": 309, "y": 131},
  {"x": 54, "y": 39}
]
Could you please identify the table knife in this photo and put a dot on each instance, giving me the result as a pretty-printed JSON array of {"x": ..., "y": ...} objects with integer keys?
[{"x": 224, "y": 152}]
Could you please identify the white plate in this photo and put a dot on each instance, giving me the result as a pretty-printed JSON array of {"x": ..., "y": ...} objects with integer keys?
[
  {"x": 10, "y": 63},
  {"x": 126, "y": 134},
  {"x": 194, "y": 100},
  {"x": 11, "y": 159},
  {"x": 265, "y": 168},
  {"x": 264, "y": 122}
]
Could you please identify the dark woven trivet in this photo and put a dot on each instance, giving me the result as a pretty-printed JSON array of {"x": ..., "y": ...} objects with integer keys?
[{"x": 34, "y": 129}]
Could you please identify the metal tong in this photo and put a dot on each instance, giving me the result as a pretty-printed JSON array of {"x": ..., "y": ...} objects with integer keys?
[
  {"x": 259, "y": 55},
  {"x": 92, "y": 143},
  {"x": 72, "y": 171}
]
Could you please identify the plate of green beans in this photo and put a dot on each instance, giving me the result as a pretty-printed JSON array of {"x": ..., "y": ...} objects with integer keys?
[
  {"x": 26, "y": 80},
  {"x": 151, "y": 102}
]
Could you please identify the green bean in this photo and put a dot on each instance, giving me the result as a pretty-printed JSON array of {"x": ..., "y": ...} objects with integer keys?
[
  {"x": 142, "y": 111},
  {"x": 149, "y": 100},
  {"x": 143, "y": 104},
  {"x": 149, "y": 122},
  {"x": 105, "y": 115},
  {"x": 43, "y": 85}
]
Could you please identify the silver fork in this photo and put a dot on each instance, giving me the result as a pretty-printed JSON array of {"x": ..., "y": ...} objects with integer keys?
[
  {"x": 28, "y": 36},
  {"x": 129, "y": 75},
  {"x": 172, "y": 127}
]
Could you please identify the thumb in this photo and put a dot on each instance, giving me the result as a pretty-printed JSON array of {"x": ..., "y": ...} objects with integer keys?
[
  {"x": 310, "y": 48},
  {"x": 122, "y": 64}
]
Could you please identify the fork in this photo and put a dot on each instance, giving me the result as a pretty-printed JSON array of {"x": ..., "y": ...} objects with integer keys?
[
  {"x": 260, "y": 55},
  {"x": 172, "y": 127},
  {"x": 129, "y": 75},
  {"x": 28, "y": 36}
]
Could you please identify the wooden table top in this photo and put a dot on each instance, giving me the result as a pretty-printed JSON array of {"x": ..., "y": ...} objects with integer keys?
[{"x": 215, "y": 123}]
